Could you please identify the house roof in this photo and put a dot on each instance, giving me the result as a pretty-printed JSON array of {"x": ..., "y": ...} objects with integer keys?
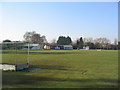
[
  {"x": 61, "y": 45},
  {"x": 12, "y": 42},
  {"x": 32, "y": 45}
]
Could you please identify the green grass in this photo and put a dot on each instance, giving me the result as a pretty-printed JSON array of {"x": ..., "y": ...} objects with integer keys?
[{"x": 64, "y": 69}]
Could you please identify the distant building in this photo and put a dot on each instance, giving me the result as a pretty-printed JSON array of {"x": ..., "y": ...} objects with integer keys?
[
  {"x": 58, "y": 47},
  {"x": 47, "y": 47},
  {"x": 12, "y": 45},
  {"x": 36, "y": 48},
  {"x": 32, "y": 46},
  {"x": 86, "y": 48},
  {"x": 68, "y": 47}
]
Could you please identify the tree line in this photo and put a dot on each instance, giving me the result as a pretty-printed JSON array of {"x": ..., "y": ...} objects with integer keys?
[{"x": 98, "y": 43}]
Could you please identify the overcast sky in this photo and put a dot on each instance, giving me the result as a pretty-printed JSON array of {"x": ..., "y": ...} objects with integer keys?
[{"x": 74, "y": 19}]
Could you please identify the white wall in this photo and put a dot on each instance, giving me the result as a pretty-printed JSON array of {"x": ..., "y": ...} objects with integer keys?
[
  {"x": 7, "y": 67},
  {"x": 36, "y": 48}
]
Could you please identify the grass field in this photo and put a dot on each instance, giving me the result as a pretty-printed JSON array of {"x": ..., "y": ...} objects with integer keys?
[{"x": 64, "y": 69}]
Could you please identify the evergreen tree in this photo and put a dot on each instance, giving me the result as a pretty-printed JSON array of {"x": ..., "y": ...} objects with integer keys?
[
  {"x": 7, "y": 40},
  {"x": 68, "y": 40},
  {"x": 64, "y": 40},
  {"x": 81, "y": 43},
  {"x": 78, "y": 47}
]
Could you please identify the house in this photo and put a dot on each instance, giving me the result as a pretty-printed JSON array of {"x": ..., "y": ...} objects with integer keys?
[
  {"x": 58, "y": 47},
  {"x": 12, "y": 45},
  {"x": 36, "y": 47},
  {"x": 67, "y": 47},
  {"x": 32, "y": 46},
  {"x": 47, "y": 47},
  {"x": 86, "y": 48}
]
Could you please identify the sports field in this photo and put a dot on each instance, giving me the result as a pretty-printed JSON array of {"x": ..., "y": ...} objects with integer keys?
[{"x": 64, "y": 69}]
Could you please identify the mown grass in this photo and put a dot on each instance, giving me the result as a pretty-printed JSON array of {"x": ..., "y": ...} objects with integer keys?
[{"x": 64, "y": 69}]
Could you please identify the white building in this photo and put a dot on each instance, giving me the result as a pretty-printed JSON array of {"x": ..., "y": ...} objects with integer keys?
[
  {"x": 68, "y": 47},
  {"x": 36, "y": 47},
  {"x": 32, "y": 46},
  {"x": 86, "y": 48}
]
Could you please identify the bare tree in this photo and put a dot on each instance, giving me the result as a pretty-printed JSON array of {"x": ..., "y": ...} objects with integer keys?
[
  {"x": 28, "y": 36},
  {"x": 43, "y": 39},
  {"x": 53, "y": 41},
  {"x": 34, "y": 37},
  {"x": 89, "y": 39},
  {"x": 103, "y": 42}
]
